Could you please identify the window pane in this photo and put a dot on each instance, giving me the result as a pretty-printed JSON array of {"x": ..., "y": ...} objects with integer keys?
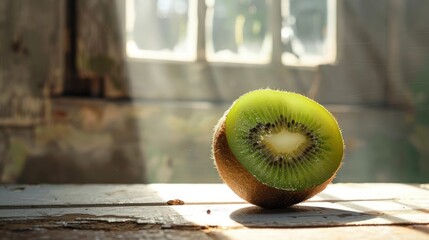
[
  {"x": 238, "y": 31},
  {"x": 309, "y": 32},
  {"x": 164, "y": 29}
]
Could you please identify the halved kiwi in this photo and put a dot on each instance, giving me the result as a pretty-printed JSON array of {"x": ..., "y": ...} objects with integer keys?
[{"x": 275, "y": 148}]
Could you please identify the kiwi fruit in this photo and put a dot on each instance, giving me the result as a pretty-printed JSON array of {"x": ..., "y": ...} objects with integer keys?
[{"x": 275, "y": 148}]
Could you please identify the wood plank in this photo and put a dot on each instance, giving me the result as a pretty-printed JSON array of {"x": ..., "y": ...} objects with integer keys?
[
  {"x": 137, "y": 194},
  {"x": 350, "y": 233},
  {"x": 159, "y": 194},
  {"x": 211, "y": 205},
  {"x": 308, "y": 214},
  {"x": 146, "y": 234},
  {"x": 366, "y": 191}
]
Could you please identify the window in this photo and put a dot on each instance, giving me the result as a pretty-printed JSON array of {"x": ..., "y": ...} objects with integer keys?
[
  {"x": 161, "y": 29},
  {"x": 308, "y": 32},
  {"x": 235, "y": 31},
  {"x": 238, "y": 31}
]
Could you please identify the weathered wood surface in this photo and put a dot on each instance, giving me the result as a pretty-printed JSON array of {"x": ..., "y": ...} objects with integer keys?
[
  {"x": 31, "y": 59},
  {"x": 100, "y": 55},
  {"x": 158, "y": 194},
  {"x": 375, "y": 209},
  {"x": 350, "y": 233},
  {"x": 151, "y": 234}
]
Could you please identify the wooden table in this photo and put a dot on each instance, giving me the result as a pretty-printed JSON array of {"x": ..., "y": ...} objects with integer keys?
[{"x": 210, "y": 211}]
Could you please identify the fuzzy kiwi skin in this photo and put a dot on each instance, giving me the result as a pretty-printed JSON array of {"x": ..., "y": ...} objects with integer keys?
[{"x": 248, "y": 187}]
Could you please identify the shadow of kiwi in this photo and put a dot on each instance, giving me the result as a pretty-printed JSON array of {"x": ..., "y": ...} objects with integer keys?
[{"x": 297, "y": 216}]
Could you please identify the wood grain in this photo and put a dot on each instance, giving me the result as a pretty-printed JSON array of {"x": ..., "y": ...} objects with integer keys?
[
  {"x": 350, "y": 233},
  {"x": 214, "y": 205},
  {"x": 158, "y": 194}
]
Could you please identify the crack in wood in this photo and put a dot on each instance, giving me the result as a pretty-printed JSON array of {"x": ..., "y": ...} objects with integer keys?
[
  {"x": 152, "y": 204},
  {"x": 79, "y": 221},
  {"x": 92, "y": 222},
  {"x": 114, "y": 223}
]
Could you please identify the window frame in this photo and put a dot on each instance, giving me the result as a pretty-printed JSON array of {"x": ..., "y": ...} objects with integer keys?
[{"x": 226, "y": 79}]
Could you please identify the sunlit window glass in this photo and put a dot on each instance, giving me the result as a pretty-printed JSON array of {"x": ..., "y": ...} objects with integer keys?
[
  {"x": 161, "y": 29},
  {"x": 238, "y": 31},
  {"x": 309, "y": 32}
]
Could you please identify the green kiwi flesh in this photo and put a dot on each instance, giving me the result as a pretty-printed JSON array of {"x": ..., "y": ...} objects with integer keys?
[{"x": 276, "y": 148}]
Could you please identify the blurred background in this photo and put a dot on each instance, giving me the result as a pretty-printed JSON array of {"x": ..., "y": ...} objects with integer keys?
[{"x": 128, "y": 91}]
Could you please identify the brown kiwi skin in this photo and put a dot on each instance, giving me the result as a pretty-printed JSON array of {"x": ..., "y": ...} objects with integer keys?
[{"x": 245, "y": 185}]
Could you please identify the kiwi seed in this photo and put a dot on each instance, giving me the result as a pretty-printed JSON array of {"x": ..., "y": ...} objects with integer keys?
[{"x": 275, "y": 148}]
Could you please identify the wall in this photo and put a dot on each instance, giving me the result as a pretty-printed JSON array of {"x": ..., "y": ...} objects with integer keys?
[{"x": 130, "y": 121}]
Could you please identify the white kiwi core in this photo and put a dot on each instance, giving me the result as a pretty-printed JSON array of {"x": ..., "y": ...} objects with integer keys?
[{"x": 284, "y": 141}]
